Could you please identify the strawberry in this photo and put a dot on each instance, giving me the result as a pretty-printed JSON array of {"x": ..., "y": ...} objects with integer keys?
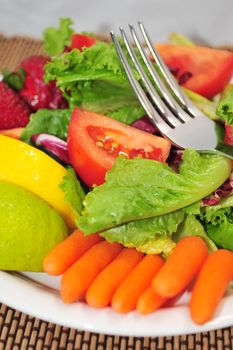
[
  {"x": 14, "y": 112},
  {"x": 35, "y": 91}
]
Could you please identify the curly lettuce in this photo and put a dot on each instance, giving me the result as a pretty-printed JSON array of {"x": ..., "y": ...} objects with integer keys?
[
  {"x": 55, "y": 39},
  {"x": 94, "y": 79},
  {"x": 218, "y": 222}
]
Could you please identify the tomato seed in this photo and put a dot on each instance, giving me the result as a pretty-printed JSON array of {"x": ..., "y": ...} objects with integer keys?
[{"x": 99, "y": 144}]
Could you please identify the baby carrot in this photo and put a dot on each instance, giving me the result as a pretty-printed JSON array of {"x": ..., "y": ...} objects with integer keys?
[
  {"x": 15, "y": 133},
  {"x": 149, "y": 301},
  {"x": 103, "y": 287},
  {"x": 181, "y": 267},
  {"x": 126, "y": 296},
  {"x": 211, "y": 283},
  {"x": 77, "y": 279},
  {"x": 67, "y": 252}
]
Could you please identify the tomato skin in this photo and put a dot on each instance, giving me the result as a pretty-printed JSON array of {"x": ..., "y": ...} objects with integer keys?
[
  {"x": 228, "y": 139},
  {"x": 210, "y": 69},
  {"x": 78, "y": 41},
  {"x": 90, "y": 161}
]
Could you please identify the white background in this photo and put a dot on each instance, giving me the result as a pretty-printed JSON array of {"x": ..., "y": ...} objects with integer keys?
[{"x": 208, "y": 21}]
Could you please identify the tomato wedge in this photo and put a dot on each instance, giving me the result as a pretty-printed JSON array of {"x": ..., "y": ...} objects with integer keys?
[
  {"x": 78, "y": 41},
  {"x": 228, "y": 139},
  {"x": 95, "y": 141},
  {"x": 200, "y": 69}
]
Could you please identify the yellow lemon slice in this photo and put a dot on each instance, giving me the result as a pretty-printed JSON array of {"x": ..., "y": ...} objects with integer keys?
[{"x": 34, "y": 170}]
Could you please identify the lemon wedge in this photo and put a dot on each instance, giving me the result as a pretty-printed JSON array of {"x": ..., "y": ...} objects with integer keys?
[{"x": 34, "y": 170}]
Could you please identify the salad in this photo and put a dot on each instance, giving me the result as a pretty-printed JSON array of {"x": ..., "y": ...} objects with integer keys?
[{"x": 118, "y": 204}]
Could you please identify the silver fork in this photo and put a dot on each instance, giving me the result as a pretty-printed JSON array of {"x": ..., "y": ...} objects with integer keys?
[{"x": 167, "y": 106}]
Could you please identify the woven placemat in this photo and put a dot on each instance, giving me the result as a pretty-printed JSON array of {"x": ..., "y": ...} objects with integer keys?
[{"x": 19, "y": 331}]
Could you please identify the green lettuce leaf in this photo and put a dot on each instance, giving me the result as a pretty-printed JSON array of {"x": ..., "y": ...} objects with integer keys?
[
  {"x": 151, "y": 236},
  {"x": 49, "y": 121},
  {"x": 142, "y": 188},
  {"x": 127, "y": 114},
  {"x": 218, "y": 222},
  {"x": 191, "y": 226},
  {"x": 179, "y": 39},
  {"x": 73, "y": 192},
  {"x": 55, "y": 39},
  {"x": 98, "y": 62},
  {"x": 208, "y": 107},
  {"x": 225, "y": 106},
  {"x": 160, "y": 234},
  {"x": 110, "y": 99},
  {"x": 163, "y": 245}
]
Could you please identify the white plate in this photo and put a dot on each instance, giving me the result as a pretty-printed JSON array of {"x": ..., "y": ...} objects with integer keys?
[{"x": 37, "y": 294}]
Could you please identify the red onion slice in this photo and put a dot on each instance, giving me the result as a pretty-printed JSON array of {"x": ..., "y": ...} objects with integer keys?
[
  {"x": 145, "y": 124},
  {"x": 223, "y": 191},
  {"x": 53, "y": 144}
]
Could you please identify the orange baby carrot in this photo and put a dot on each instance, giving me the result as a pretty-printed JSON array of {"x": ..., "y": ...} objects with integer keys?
[
  {"x": 126, "y": 296},
  {"x": 181, "y": 267},
  {"x": 211, "y": 283},
  {"x": 149, "y": 301},
  {"x": 77, "y": 279},
  {"x": 67, "y": 252},
  {"x": 103, "y": 287},
  {"x": 15, "y": 133}
]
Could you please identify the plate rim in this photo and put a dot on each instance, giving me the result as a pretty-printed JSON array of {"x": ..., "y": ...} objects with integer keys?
[{"x": 85, "y": 318}]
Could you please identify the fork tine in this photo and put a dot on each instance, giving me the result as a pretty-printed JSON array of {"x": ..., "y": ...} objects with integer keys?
[
  {"x": 149, "y": 108},
  {"x": 165, "y": 94},
  {"x": 162, "y": 108},
  {"x": 164, "y": 70}
]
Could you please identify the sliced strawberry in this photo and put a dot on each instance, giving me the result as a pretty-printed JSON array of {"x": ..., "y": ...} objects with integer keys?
[
  {"x": 35, "y": 91},
  {"x": 14, "y": 112}
]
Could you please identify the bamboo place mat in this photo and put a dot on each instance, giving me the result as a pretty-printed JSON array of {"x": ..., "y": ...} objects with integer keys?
[{"x": 19, "y": 331}]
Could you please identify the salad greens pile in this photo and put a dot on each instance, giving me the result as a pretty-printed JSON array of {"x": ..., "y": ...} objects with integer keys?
[{"x": 143, "y": 203}]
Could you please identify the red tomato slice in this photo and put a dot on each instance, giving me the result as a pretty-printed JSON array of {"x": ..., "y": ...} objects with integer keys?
[
  {"x": 200, "y": 69},
  {"x": 94, "y": 142},
  {"x": 78, "y": 41},
  {"x": 228, "y": 139}
]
